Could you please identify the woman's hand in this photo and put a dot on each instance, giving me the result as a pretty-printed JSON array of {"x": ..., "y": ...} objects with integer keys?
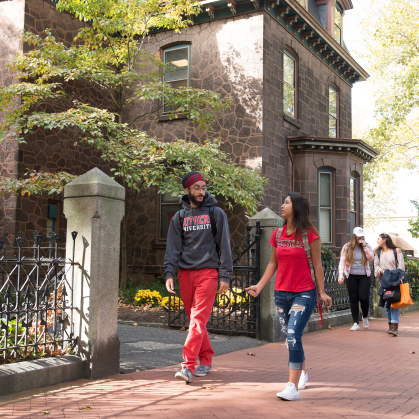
[
  {"x": 341, "y": 279},
  {"x": 254, "y": 290},
  {"x": 326, "y": 300}
]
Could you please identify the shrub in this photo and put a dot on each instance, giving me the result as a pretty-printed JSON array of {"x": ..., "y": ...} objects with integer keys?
[
  {"x": 175, "y": 304},
  {"x": 147, "y": 297},
  {"x": 328, "y": 257}
]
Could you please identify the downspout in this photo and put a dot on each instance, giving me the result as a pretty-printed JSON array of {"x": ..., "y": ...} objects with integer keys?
[{"x": 293, "y": 166}]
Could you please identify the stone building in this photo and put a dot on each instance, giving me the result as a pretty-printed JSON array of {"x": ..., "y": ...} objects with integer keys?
[{"x": 286, "y": 67}]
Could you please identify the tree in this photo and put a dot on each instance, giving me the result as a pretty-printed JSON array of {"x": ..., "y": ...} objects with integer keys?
[
  {"x": 414, "y": 224},
  {"x": 391, "y": 40},
  {"x": 107, "y": 56},
  {"x": 391, "y": 33}
]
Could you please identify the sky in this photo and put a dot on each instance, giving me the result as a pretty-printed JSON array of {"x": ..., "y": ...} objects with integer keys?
[{"x": 363, "y": 102}]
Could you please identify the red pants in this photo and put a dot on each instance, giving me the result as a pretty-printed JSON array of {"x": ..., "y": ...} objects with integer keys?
[{"x": 197, "y": 290}]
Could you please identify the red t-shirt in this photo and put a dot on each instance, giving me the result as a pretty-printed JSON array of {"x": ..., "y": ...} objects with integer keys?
[{"x": 293, "y": 273}]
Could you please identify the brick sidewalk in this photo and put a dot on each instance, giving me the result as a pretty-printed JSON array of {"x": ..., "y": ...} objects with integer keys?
[{"x": 365, "y": 374}]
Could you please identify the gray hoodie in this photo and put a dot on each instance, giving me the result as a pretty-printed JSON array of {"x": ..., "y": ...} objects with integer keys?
[{"x": 197, "y": 250}]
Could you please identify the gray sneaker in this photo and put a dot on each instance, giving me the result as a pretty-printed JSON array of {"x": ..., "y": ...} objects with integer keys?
[
  {"x": 202, "y": 370},
  {"x": 184, "y": 374}
]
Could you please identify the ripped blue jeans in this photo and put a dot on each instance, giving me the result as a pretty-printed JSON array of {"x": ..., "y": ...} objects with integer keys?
[{"x": 294, "y": 310}]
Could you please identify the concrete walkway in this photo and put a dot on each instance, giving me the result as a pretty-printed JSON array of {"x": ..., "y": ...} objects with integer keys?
[
  {"x": 146, "y": 348},
  {"x": 365, "y": 374}
]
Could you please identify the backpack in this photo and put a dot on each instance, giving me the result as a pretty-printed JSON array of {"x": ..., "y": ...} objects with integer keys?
[{"x": 395, "y": 255}]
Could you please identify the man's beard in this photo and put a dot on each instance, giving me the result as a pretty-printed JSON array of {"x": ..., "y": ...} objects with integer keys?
[{"x": 194, "y": 201}]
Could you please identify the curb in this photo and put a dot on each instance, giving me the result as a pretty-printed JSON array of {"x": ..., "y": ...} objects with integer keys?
[{"x": 28, "y": 375}]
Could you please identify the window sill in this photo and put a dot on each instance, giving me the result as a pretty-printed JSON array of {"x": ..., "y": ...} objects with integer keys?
[
  {"x": 158, "y": 245},
  {"x": 291, "y": 120},
  {"x": 165, "y": 118}
]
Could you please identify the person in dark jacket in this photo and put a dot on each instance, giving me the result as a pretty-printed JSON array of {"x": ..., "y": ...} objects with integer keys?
[{"x": 203, "y": 255}]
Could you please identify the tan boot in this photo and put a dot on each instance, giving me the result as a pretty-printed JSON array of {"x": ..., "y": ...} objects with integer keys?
[
  {"x": 394, "y": 329},
  {"x": 389, "y": 328}
]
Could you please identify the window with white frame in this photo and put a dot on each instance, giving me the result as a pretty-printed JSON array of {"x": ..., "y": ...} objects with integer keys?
[
  {"x": 352, "y": 202},
  {"x": 325, "y": 205},
  {"x": 338, "y": 24},
  {"x": 177, "y": 70},
  {"x": 168, "y": 206},
  {"x": 333, "y": 112},
  {"x": 289, "y": 84}
]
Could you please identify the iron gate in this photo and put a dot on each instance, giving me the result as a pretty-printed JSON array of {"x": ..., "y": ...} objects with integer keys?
[
  {"x": 234, "y": 312},
  {"x": 35, "y": 298}
]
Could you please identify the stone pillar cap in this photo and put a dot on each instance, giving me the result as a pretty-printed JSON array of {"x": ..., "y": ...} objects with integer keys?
[
  {"x": 267, "y": 218},
  {"x": 94, "y": 183}
]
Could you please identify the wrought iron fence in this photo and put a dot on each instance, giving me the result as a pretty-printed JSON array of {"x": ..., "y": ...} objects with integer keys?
[
  {"x": 234, "y": 312},
  {"x": 35, "y": 298},
  {"x": 338, "y": 292}
]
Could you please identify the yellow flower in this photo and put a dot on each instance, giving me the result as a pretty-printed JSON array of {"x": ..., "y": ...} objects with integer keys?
[
  {"x": 148, "y": 297},
  {"x": 175, "y": 304}
]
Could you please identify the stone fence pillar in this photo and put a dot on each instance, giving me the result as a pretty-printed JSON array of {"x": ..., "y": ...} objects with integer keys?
[
  {"x": 94, "y": 205},
  {"x": 269, "y": 221}
]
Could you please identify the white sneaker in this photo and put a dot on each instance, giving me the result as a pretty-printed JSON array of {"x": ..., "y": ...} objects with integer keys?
[
  {"x": 366, "y": 323},
  {"x": 303, "y": 380},
  {"x": 290, "y": 393},
  {"x": 355, "y": 327}
]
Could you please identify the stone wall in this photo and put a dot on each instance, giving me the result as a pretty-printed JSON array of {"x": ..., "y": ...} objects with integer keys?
[
  {"x": 47, "y": 151},
  {"x": 11, "y": 25},
  {"x": 306, "y": 166},
  {"x": 314, "y": 78},
  {"x": 226, "y": 57}
]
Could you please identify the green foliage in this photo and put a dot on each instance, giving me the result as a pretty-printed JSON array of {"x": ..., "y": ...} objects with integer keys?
[
  {"x": 414, "y": 224},
  {"x": 328, "y": 257},
  {"x": 108, "y": 57},
  {"x": 35, "y": 182},
  {"x": 391, "y": 35}
]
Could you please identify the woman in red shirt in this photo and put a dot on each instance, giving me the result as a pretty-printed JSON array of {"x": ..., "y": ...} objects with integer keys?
[{"x": 295, "y": 291}]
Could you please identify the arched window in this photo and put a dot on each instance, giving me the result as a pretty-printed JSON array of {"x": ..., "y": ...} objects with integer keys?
[
  {"x": 289, "y": 88},
  {"x": 178, "y": 69},
  {"x": 338, "y": 24},
  {"x": 325, "y": 205},
  {"x": 333, "y": 112}
]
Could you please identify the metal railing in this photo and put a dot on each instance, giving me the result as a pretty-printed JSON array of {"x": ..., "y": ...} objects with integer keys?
[
  {"x": 338, "y": 292},
  {"x": 35, "y": 298}
]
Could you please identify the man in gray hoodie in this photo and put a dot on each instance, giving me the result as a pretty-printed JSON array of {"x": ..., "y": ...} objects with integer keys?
[{"x": 202, "y": 252}]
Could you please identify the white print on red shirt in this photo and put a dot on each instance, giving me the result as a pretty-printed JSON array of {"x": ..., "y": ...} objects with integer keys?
[
  {"x": 200, "y": 222},
  {"x": 289, "y": 243}
]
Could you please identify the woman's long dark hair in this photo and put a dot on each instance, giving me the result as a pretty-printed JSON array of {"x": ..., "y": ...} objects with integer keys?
[
  {"x": 389, "y": 242},
  {"x": 301, "y": 216}
]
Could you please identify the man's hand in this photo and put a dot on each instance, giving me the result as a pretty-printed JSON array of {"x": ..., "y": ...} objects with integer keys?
[
  {"x": 224, "y": 286},
  {"x": 170, "y": 285}
]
